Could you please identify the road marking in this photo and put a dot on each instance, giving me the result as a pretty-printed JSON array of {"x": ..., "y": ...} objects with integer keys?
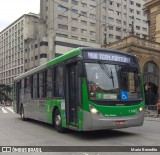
[
  {"x": 4, "y": 111},
  {"x": 10, "y": 109}
]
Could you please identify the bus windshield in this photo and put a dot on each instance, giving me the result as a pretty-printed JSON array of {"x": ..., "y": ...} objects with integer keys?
[{"x": 113, "y": 82}]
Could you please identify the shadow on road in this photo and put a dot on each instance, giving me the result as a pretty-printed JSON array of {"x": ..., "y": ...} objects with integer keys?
[{"x": 85, "y": 135}]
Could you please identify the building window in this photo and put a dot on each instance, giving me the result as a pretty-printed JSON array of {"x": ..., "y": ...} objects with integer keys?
[
  {"x": 138, "y": 20},
  {"x": 84, "y": 23},
  {"x": 104, "y": 17},
  {"x": 138, "y": 12},
  {"x": 84, "y": 5},
  {"x": 74, "y": 20},
  {"x": 118, "y": 29},
  {"x": 131, "y": 10},
  {"x": 118, "y": 5},
  {"x": 92, "y": 7},
  {"x": 138, "y": 5},
  {"x": 60, "y": 26},
  {"x": 83, "y": 13},
  {"x": 104, "y": 9},
  {"x": 118, "y": 21},
  {"x": 62, "y": 8},
  {"x": 64, "y": 1},
  {"x": 93, "y": 16},
  {"x": 61, "y": 35},
  {"x": 43, "y": 55},
  {"x": 63, "y": 17},
  {"x": 36, "y": 57},
  {"x": 111, "y": 36},
  {"x": 110, "y": 11},
  {"x": 111, "y": 19},
  {"x": 43, "y": 43},
  {"x": 118, "y": 13},
  {"x": 92, "y": 33},
  {"x": 84, "y": 39},
  {"x": 92, "y": 41},
  {"x": 144, "y": 22},
  {"x": 74, "y": 2},
  {"x": 74, "y": 29},
  {"x": 74, "y": 37},
  {"x": 74, "y": 11},
  {"x": 118, "y": 37},
  {"x": 144, "y": 14},
  {"x": 137, "y": 27},
  {"x": 92, "y": 24},
  {"x": 110, "y": 27},
  {"x": 144, "y": 29},
  {"x": 131, "y": 3},
  {"x": 111, "y": 3},
  {"x": 83, "y": 31}
]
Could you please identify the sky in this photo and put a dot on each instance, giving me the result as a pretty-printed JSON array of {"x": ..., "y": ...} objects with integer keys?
[{"x": 11, "y": 10}]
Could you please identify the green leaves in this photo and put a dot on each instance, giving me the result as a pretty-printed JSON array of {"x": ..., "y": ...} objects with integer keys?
[{"x": 4, "y": 90}]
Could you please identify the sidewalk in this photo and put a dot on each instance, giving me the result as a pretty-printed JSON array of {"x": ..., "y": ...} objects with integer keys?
[
  {"x": 151, "y": 115},
  {"x": 148, "y": 118}
]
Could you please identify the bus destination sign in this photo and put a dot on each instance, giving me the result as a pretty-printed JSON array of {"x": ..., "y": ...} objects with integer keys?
[{"x": 108, "y": 56}]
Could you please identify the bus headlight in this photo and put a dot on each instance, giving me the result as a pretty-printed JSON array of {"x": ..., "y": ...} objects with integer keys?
[
  {"x": 140, "y": 109},
  {"x": 94, "y": 110}
]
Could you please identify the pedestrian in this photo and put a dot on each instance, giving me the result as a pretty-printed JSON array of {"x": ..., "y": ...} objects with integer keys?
[{"x": 3, "y": 104}]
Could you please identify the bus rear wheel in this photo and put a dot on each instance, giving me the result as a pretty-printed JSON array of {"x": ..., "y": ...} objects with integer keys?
[
  {"x": 22, "y": 113},
  {"x": 58, "y": 121}
]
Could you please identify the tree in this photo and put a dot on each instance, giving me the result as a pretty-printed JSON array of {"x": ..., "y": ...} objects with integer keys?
[{"x": 4, "y": 91}]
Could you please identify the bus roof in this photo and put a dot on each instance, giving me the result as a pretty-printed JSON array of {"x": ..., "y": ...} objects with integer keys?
[{"x": 64, "y": 57}]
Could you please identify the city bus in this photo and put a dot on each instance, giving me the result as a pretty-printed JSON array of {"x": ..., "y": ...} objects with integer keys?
[{"x": 85, "y": 89}]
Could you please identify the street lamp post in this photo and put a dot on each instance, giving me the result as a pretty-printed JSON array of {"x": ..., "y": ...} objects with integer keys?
[
  {"x": 132, "y": 29},
  {"x": 105, "y": 36}
]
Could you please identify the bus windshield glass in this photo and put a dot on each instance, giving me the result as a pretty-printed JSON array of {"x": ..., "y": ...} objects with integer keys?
[{"x": 113, "y": 82}]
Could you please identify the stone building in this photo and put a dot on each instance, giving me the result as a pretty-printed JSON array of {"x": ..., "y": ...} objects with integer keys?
[
  {"x": 12, "y": 42},
  {"x": 152, "y": 8},
  {"x": 148, "y": 53}
]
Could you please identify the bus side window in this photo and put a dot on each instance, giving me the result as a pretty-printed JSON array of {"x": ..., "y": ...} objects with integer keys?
[
  {"x": 34, "y": 85},
  {"x": 31, "y": 84},
  {"x": 41, "y": 84},
  {"x": 49, "y": 83},
  {"x": 58, "y": 81}
]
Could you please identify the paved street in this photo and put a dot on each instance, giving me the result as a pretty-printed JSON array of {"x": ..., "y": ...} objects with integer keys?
[{"x": 32, "y": 133}]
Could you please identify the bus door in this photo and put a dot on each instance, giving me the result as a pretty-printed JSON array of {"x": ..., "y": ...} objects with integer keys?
[
  {"x": 17, "y": 96},
  {"x": 72, "y": 94}
]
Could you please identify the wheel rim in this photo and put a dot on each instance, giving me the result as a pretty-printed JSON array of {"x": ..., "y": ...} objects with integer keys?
[{"x": 58, "y": 120}]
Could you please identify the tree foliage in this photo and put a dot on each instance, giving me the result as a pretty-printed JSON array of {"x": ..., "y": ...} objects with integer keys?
[{"x": 5, "y": 90}]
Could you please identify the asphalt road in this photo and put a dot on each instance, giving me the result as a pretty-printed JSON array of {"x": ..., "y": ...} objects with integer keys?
[{"x": 15, "y": 132}]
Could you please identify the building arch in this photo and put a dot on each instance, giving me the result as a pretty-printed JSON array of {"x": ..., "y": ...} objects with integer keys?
[
  {"x": 151, "y": 81},
  {"x": 151, "y": 72}
]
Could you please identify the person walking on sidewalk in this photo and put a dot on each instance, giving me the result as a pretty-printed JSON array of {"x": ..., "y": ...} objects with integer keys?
[{"x": 3, "y": 104}]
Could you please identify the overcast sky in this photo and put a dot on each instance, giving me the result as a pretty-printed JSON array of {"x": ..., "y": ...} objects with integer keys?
[{"x": 10, "y": 10}]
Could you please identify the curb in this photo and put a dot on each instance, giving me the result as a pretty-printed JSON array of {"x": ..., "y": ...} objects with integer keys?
[{"x": 152, "y": 119}]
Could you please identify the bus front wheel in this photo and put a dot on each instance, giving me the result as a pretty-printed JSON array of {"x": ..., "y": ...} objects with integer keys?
[{"x": 58, "y": 121}]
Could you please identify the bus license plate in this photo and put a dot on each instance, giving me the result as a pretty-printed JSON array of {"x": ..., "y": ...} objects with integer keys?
[{"x": 122, "y": 122}]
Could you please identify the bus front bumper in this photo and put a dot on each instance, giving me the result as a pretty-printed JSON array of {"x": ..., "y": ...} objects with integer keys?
[{"x": 100, "y": 122}]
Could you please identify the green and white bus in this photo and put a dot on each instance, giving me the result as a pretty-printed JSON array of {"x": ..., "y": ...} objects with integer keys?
[{"x": 84, "y": 89}]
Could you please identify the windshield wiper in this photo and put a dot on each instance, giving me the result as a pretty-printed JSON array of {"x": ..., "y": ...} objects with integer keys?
[{"x": 106, "y": 71}]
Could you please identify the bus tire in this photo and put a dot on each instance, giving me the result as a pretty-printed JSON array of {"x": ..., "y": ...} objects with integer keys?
[
  {"x": 22, "y": 113},
  {"x": 58, "y": 121}
]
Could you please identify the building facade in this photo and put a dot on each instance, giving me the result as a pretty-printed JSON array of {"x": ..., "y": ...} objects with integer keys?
[
  {"x": 12, "y": 43},
  {"x": 153, "y": 10},
  {"x": 148, "y": 53},
  {"x": 89, "y": 20}
]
